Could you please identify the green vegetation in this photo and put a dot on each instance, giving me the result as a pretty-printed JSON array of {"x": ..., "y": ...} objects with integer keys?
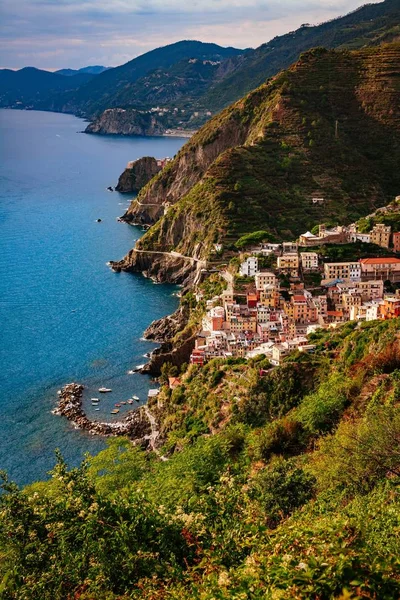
[
  {"x": 280, "y": 484},
  {"x": 254, "y": 238},
  {"x": 391, "y": 217},
  {"x": 255, "y": 177}
]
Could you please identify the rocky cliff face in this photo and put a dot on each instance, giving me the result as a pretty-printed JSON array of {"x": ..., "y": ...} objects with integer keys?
[
  {"x": 137, "y": 175},
  {"x": 119, "y": 121},
  {"x": 163, "y": 331},
  {"x": 328, "y": 127}
]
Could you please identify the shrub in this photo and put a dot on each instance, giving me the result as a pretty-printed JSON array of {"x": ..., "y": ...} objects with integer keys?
[
  {"x": 319, "y": 412},
  {"x": 360, "y": 453},
  {"x": 281, "y": 488}
]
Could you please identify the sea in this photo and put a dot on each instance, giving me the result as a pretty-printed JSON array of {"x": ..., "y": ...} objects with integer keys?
[{"x": 64, "y": 315}]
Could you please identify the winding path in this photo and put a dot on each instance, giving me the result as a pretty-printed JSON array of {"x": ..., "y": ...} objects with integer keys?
[{"x": 154, "y": 433}]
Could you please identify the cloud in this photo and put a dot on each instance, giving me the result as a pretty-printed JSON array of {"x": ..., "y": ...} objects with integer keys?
[{"x": 59, "y": 33}]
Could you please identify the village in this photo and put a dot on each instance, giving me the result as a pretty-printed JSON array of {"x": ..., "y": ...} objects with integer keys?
[{"x": 272, "y": 311}]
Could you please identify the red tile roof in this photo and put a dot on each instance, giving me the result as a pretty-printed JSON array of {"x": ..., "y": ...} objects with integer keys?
[{"x": 379, "y": 261}]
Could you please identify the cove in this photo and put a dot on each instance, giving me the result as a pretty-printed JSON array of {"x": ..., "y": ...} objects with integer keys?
[{"x": 65, "y": 316}]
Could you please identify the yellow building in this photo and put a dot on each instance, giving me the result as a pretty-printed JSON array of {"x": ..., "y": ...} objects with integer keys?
[
  {"x": 241, "y": 324},
  {"x": 289, "y": 264},
  {"x": 343, "y": 270},
  {"x": 263, "y": 278},
  {"x": 380, "y": 235}
]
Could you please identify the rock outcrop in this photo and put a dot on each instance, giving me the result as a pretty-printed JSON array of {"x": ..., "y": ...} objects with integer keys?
[
  {"x": 120, "y": 121},
  {"x": 164, "y": 331},
  {"x": 162, "y": 267},
  {"x": 137, "y": 174}
]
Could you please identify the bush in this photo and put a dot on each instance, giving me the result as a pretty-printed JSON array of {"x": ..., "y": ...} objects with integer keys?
[
  {"x": 285, "y": 436},
  {"x": 281, "y": 488},
  {"x": 360, "y": 453},
  {"x": 320, "y": 412}
]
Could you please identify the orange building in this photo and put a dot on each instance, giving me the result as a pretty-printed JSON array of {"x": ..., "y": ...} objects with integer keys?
[
  {"x": 390, "y": 308},
  {"x": 396, "y": 241}
]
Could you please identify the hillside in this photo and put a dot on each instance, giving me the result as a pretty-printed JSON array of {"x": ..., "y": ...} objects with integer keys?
[
  {"x": 29, "y": 86},
  {"x": 279, "y": 483},
  {"x": 112, "y": 87},
  {"x": 328, "y": 127},
  {"x": 369, "y": 25}
]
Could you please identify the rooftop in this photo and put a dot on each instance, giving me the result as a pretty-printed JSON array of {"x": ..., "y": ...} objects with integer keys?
[{"x": 379, "y": 261}]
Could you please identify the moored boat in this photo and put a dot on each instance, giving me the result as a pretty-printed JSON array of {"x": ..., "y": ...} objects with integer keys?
[{"x": 104, "y": 390}]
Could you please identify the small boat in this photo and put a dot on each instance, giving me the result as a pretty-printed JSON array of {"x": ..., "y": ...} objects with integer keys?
[
  {"x": 95, "y": 399},
  {"x": 98, "y": 220},
  {"x": 104, "y": 390},
  {"x": 117, "y": 404},
  {"x": 135, "y": 398},
  {"x": 130, "y": 401},
  {"x": 95, "y": 403},
  {"x": 96, "y": 409},
  {"x": 122, "y": 402},
  {"x": 115, "y": 411},
  {"x": 110, "y": 189}
]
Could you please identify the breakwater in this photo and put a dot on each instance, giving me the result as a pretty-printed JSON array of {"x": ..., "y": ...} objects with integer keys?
[{"x": 134, "y": 425}]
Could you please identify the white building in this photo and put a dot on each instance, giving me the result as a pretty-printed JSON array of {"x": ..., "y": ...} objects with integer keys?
[
  {"x": 309, "y": 261},
  {"x": 249, "y": 267},
  {"x": 360, "y": 237}
]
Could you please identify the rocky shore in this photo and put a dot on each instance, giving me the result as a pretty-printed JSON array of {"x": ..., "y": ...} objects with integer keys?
[{"x": 135, "y": 425}]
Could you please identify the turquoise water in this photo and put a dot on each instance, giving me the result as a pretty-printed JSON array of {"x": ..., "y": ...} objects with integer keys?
[{"x": 64, "y": 315}]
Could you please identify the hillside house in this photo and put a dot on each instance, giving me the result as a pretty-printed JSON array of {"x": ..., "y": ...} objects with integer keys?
[
  {"x": 249, "y": 267},
  {"x": 263, "y": 278},
  {"x": 309, "y": 261},
  {"x": 380, "y": 268},
  {"x": 380, "y": 235},
  {"x": 348, "y": 271}
]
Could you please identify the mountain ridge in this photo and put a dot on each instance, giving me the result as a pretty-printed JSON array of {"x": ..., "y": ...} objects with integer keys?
[{"x": 329, "y": 126}]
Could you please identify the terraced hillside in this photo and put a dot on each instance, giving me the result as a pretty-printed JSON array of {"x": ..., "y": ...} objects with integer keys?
[
  {"x": 328, "y": 127},
  {"x": 370, "y": 25}
]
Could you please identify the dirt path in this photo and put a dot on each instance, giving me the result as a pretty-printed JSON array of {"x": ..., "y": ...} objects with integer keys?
[{"x": 154, "y": 433}]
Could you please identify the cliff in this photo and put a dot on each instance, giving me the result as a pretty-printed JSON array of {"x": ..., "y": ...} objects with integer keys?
[
  {"x": 137, "y": 175},
  {"x": 328, "y": 127},
  {"x": 119, "y": 121}
]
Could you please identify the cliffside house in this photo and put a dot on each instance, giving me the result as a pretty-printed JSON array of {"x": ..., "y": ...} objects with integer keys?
[
  {"x": 396, "y": 242},
  {"x": 348, "y": 271},
  {"x": 249, "y": 267},
  {"x": 263, "y": 278},
  {"x": 380, "y": 268},
  {"x": 380, "y": 235},
  {"x": 289, "y": 264},
  {"x": 309, "y": 261}
]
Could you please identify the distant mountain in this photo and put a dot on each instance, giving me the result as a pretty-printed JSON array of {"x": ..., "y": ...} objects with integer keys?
[
  {"x": 111, "y": 88},
  {"x": 192, "y": 90},
  {"x": 93, "y": 70},
  {"x": 29, "y": 86},
  {"x": 192, "y": 80}
]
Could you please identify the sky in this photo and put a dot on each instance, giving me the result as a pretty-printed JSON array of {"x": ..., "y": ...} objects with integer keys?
[{"x": 55, "y": 34}]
